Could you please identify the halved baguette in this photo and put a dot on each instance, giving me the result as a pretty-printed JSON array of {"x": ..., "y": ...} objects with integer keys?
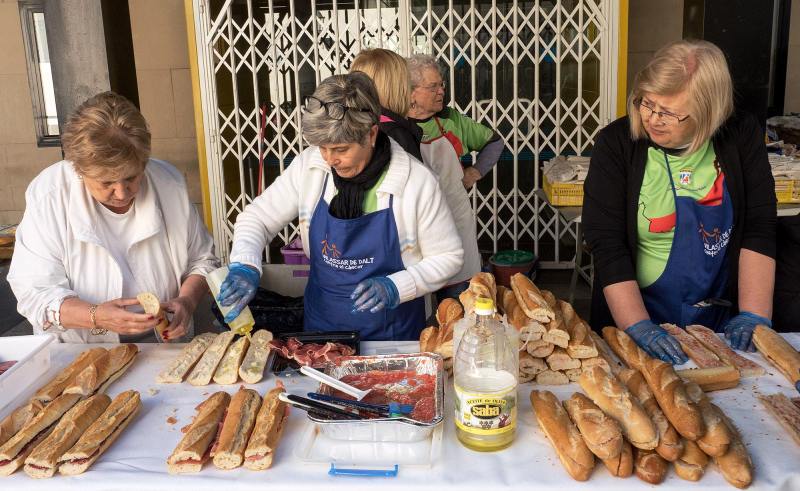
[
  {"x": 152, "y": 305},
  {"x": 530, "y": 365},
  {"x": 252, "y": 368},
  {"x": 67, "y": 376},
  {"x": 190, "y": 355},
  {"x": 427, "y": 339},
  {"x": 560, "y": 360},
  {"x": 539, "y": 348},
  {"x": 736, "y": 466},
  {"x": 671, "y": 395},
  {"x": 694, "y": 349},
  {"x": 103, "y": 371},
  {"x": 580, "y": 344},
  {"x": 530, "y": 299},
  {"x": 602, "y": 434},
  {"x": 194, "y": 448},
  {"x": 228, "y": 370},
  {"x": 529, "y": 329},
  {"x": 778, "y": 351},
  {"x": 717, "y": 437},
  {"x": 710, "y": 379},
  {"x": 551, "y": 377},
  {"x": 267, "y": 432},
  {"x": 563, "y": 435},
  {"x": 747, "y": 368},
  {"x": 236, "y": 429},
  {"x": 15, "y": 421},
  {"x": 202, "y": 372},
  {"x": 101, "y": 434},
  {"x": 556, "y": 331},
  {"x": 783, "y": 410}
]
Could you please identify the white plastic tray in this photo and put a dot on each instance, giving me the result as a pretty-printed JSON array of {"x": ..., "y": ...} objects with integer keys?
[{"x": 32, "y": 354}]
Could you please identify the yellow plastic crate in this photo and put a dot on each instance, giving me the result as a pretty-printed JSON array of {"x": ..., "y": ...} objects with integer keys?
[
  {"x": 787, "y": 191},
  {"x": 563, "y": 193}
]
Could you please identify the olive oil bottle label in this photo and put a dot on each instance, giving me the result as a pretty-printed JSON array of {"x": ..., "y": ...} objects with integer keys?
[{"x": 492, "y": 413}]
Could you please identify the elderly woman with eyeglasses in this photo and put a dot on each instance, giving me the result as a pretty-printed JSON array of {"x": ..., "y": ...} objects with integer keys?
[
  {"x": 104, "y": 225},
  {"x": 372, "y": 219},
  {"x": 447, "y": 136},
  {"x": 679, "y": 208}
]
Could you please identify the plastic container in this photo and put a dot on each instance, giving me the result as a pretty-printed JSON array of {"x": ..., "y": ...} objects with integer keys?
[
  {"x": 242, "y": 324},
  {"x": 293, "y": 253},
  {"x": 485, "y": 372},
  {"x": 506, "y": 264},
  {"x": 32, "y": 354},
  {"x": 563, "y": 193},
  {"x": 277, "y": 363}
]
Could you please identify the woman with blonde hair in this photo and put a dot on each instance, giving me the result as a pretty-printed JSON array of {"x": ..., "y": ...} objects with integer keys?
[
  {"x": 389, "y": 72},
  {"x": 103, "y": 225},
  {"x": 679, "y": 207}
]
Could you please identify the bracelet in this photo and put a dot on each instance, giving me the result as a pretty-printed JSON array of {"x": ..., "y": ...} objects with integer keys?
[{"x": 96, "y": 331}]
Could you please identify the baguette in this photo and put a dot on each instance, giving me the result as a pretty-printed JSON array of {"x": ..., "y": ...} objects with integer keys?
[
  {"x": 604, "y": 351},
  {"x": 747, "y": 368},
  {"x": 736, "y": 466},
  {"x": 236, "y": 429},
  {"x": 670, "y": 444},
  {"x": 43, "y": 461},
  {"x": 190, "y": 355},
  {"x": 15, "y": 421},
  {"x": 202, "y": 372},
  {"x": 103, "y": 371},
  {"x": 710, "y": 379},
  {"x": 702, "y": 356},
  {"x": 530, "y": 299},
  {"x": 252, "y": 368},
  {"x": 563, "y": 435},
  {"x": 228, "y": 369},
  {"x": 573, "y": 374},
  {"x": 580, "y": 343},
  {"x": 101, "y": 434},
  {"x": 67, "y": 376},
  {"x": 524, "y": 377},
  {"x": 787, "y": 414},
  {"x": 587, "y": 363},
  {"x": 448, "y": 311},
  {"x": 14, "y": 452},
  {"x": 152, "y": 305},
  {"x": 779, "y": 352},
  {"x": 650, "y": 467},
  {"x": 671, "y": 395},
  {"x": 483, "y": 285},
  {"x": 530, "y": 365},
  {"x": 529, "y": 329},
  {"x": 621, "y": 465},
  {"x": 267, "y": 432},
  {"x": 560, "y": 360},
  {"x": 551, "y": 300},
  {"x": 550, "y": 377},
  {"x": 616, "y": 401},
  {"x": 195, "y": 447},
  {"x": 539, "y": 348},
  {"x": 602, "y": 435},
  {"x": 556, "y": 331},
  {"x": 692, "y": 464},
  {"x": 427, "y": 339},
  {"x": 717, "y": 437},
  {"x": 625, "y": 347}
]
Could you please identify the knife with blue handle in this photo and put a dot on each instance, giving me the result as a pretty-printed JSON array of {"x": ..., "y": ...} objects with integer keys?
[{"x": 387, "y": 410}]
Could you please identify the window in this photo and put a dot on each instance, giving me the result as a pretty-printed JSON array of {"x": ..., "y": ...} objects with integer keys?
[{"x": 40, "y": 76}]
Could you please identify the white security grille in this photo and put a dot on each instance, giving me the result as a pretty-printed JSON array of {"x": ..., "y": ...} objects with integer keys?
[{"x": 540, "y": 72}]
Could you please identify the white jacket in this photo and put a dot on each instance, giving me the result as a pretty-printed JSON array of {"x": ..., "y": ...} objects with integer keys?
[
  {"x": 430, "y": 245},
  {"x": 59, "y": 252}
]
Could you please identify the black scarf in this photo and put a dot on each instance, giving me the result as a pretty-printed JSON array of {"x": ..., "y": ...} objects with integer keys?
[{"x": 349, "y": 201}]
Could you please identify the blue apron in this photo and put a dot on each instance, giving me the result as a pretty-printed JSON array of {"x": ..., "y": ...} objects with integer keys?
[
  {"x": 695, "y": 277},
  {"x": 345, "y": 253}
]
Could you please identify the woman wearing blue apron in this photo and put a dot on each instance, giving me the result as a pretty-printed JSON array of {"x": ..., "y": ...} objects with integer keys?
[
  {"x": 372, "y": 220},
  {"x": 679, "y": 208}
]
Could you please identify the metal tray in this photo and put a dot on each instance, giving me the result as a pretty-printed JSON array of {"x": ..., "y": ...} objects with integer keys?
[{"x": 385, "y": 429}]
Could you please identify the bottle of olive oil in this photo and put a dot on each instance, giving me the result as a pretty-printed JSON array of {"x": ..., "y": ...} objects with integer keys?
[{"x": 485, "y": 372}]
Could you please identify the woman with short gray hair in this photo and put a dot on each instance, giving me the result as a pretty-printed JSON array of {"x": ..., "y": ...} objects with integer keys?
[{"x": 373, "y": 221}]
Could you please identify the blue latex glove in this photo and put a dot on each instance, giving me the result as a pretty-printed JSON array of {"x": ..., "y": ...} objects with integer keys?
[
  {"x": 739, "y": 330},
  {"x": 657, "y": 342},
  {"x": 375, "y": 294},
  {"x": 238, "y": 289}
]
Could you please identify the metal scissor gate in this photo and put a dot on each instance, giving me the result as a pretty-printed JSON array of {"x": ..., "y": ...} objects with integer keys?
[{"x": 541, "y": 72}]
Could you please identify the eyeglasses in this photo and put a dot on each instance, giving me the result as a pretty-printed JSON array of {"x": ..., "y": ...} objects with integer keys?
[
  {"x": 666, "y": 118},
  {"x": 434, "y": 87},
  {"x": 334, "y": 110}
]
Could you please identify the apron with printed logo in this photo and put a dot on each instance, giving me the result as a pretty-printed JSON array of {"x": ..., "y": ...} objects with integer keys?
[{"x": 343, "y": 254}]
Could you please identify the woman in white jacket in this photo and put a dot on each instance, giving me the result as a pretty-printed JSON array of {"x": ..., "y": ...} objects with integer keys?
[
  {"x": 372, "y": 219},
  {"x": 104, "y": 225}
]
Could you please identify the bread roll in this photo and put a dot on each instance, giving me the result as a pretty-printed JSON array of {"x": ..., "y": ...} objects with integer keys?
[
  {"x": 530, "y": 365},
  {"x": 700, "y": 355},
  {"x": 671, "y": 395},
  {"x": 563, "y": 435},
  {"x": 735, "y": 466},
  {"x": 716, "y": 439},
  {"x": 778, "y": 352},
  {"x": 190, "y": 355},
  {"x": 560, "y": 360},
  {"x": 530, "y": 299},
  {"x": 202, "y": 372},
  {"x": 602, "y": 434},
  {"x": 747, "y": 368},
  {"x": 252, "y": 367},
  {"x": 670, "y": 443},
  {"x": 580, "y": 343},
  {"x": 621, "y": 465},
  {"x": 550, "y": 377},
  {"x": 692, "y": 464},
  {"x": 228, "y": 370},
  {"x": 649, "y": 466},
  {"x": 193, "y": 449},
  {"x": 616, "y": 401},
  {"x": 267, "y": 431},
  {"x": 67, "y": 376},
  {"x": 625, "y": 347},
  {"x": 710, "y": 379},
  {"x": 236, "y": 429},
  {"x": 15, "y": 421},
  {"x": 539, "y": 348}
]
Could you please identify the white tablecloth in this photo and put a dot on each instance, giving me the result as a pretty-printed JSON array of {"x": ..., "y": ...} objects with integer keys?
[{"x": 137, "y": 460}]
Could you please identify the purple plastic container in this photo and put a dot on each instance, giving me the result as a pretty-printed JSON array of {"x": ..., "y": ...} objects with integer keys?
[{"x": 293, "y": 253}]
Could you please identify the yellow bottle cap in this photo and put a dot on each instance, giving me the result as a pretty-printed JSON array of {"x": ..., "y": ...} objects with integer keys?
[{"x": 484, "y": 306}]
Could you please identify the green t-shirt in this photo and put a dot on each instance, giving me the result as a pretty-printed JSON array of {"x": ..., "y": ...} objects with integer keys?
[
  {"x": 472, "y": 134},
  {"x": 694, "y": 176},
  {"x": 371, "y": 196}
]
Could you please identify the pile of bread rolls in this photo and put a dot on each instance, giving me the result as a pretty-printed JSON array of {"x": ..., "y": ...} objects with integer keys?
[{"x": 640, "y": 417}]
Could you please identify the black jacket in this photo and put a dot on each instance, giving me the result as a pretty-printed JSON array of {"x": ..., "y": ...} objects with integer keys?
[
  {"x": 611, "y": 195},
  {"x": 403, "y": 131}
]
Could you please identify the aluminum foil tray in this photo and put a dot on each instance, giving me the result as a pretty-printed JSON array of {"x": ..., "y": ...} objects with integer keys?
[{"x": 385, "y": 429}]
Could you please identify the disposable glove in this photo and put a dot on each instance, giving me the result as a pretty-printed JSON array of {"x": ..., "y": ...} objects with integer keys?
[
  {"x": 657, "y": 342},
  {"x": 375, "y": 294},
  {"x": 739, "y": 330},
  {"x": 238, "y": 289}
]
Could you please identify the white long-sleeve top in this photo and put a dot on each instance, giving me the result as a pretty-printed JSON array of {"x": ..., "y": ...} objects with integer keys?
[
  {"x": 430, "y": 245},
  {"x": 61, "y": 252}
]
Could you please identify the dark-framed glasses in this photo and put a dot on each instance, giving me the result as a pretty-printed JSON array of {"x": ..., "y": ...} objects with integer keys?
[
  {"x": 334, "y": 110},
  {"x": 667, "y": 118}
]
